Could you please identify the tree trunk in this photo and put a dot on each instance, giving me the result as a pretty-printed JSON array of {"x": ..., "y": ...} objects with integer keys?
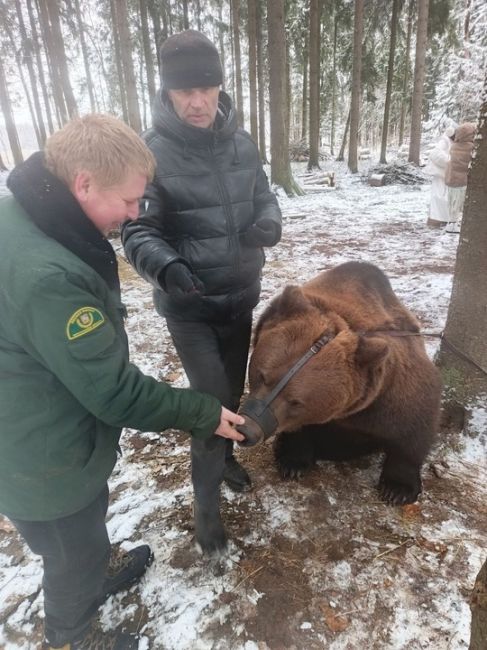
[
  {"x": 60, "y": 57},
  {"x": 118, "y": 61},
  {"x": 356, "y": 85},
  {"x": 261, "y": 85},
  {"x": 149, "y": 60},
  {"x": 341, "y": 154},
  {"x": 221, "y": 40},
  {"x": 252, "y": 31},
  {"x": 464, "y": 346},
  {"x": 419, "y": 74},
  {"x": 185, "y": 15},
  {"x": 238, "y": 62},
  {"x": 40, "y": 69},
  {"x": 333, "y": 87},
  {"x": 158, "y": 35},
  {"x": 478, "y": 605},
  {"x": 390, "y": 74},
  {"x": 405, "y": 100},
  {"x": 198, "y": 15},
  {"x": 57, "y": 90},
  {"x": 26, "y": 91},
  {"x": 128, "y": 65},
  {"x": 6, "y": 106},
  {"x": 27, "y": 51},
  {"x": 84, "y": 50},
  {"x": 280, "y": 165},
  {"x": 314, "y": 83},
  {"x": 304, "y": 98}
]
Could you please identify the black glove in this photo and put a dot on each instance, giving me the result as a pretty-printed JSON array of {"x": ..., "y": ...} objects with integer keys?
[
  {"x": 179, "y": 281},
  {"x": 265, "y": 232}
]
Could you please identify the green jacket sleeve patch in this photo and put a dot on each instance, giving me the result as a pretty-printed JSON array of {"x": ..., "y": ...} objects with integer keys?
[{"x": 84, "y": 321}]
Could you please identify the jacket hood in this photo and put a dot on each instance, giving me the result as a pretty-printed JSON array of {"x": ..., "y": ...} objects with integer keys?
[
  {"x": 165, "y": 119},
  {"x": 465, "y": 132}
]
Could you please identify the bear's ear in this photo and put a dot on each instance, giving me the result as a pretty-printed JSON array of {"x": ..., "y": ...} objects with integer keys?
[
  {"x": 290, "y": 302},
  {"x": 371, "y": 351}
]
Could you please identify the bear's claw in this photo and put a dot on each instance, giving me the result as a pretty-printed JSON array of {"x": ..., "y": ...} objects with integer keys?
[{"x": 398, "y": 494}]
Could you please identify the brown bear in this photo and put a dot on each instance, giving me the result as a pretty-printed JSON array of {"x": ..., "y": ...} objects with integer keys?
[{"x": 364, "y": 381}]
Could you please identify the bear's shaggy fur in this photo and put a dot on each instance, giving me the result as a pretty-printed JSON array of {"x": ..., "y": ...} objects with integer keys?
[{"x": 368, "y": 389}]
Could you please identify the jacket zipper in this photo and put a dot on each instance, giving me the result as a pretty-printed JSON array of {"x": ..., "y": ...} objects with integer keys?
[{"x": 231, "y": 229}]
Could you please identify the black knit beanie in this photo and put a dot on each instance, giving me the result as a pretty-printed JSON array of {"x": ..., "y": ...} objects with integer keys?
[{"x": 189, "y": 60}]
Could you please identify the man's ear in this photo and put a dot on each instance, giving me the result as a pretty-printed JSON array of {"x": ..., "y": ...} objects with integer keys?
[{"x": 81, "y": 185}]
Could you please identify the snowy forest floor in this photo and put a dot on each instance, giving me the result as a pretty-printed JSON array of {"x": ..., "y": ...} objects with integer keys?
[{"x": 319, "y": 563}]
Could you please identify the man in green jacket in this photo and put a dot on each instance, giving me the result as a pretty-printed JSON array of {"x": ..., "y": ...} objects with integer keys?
[{"x": 66, "y": 384}]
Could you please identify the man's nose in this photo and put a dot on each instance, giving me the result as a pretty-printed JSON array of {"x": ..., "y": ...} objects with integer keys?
[
  {"x": 133, "y": 211},
  {"x": 197, "y": 100}
]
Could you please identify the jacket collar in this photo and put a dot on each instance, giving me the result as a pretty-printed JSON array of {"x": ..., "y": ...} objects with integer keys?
[{"x": 55, "y": 211}]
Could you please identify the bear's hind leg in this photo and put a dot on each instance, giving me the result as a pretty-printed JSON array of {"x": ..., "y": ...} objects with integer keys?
[
  {"x": 294, "y": 453},
  {"x": 400, "y": 481}
]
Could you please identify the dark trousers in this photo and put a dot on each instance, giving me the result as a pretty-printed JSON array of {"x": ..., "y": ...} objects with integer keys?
[
  {"x": 214, "y": 357},
  {"x": 75, "y": 551}
]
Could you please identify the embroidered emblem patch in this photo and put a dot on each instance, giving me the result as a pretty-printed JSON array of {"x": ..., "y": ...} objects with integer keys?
[{"x": 83, "y": 321}]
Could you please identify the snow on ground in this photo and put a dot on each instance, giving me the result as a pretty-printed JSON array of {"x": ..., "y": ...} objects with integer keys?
[{"x": 315, "y": 564}]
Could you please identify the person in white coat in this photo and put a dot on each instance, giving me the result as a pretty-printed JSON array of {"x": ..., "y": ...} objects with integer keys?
[{"x": 436, "y": 167}]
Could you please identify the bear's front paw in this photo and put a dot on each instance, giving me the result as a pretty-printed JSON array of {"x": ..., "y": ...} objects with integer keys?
[
  {"x": 292, "y": 469},
  {"x": 396, "y": 493}
]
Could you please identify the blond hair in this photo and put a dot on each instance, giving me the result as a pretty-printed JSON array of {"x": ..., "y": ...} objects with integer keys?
[{"x": 100, "y": 144}]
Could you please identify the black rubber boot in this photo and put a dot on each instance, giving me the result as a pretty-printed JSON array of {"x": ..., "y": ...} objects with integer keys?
[{"x": 126, "y": 568}]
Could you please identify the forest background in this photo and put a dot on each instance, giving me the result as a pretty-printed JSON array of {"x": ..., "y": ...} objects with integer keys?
[{"x": 310, "y": 79}]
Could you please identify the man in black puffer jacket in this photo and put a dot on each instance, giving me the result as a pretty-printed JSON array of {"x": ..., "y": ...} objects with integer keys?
[{"x": 199, "y": 241}]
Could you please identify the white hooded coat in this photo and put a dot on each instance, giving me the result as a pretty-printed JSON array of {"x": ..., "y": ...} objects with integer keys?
[{"x": 436, "y": 167}]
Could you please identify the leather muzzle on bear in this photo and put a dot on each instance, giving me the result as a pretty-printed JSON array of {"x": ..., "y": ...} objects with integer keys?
[{"x": 260, "y": 422}]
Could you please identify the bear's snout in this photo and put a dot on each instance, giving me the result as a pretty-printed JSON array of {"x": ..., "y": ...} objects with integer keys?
[{"x": 252, "y": 432}]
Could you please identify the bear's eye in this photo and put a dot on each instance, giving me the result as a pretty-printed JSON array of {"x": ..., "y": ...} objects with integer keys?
[{"x": 295, "y": 403}]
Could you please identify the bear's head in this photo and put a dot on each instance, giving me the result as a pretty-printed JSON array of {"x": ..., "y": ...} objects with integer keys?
[{"x": 341, "y": 378}]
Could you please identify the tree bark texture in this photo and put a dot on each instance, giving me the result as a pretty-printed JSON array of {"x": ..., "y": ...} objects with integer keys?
[
  {"x": 405, "y": 99},
  {"x": 6, "y": 106},
  {"x": 464, "y": 335},
  {"x": 358, "y": 29},
  {"x": 280, "y": 165},
  {"x": 40, "y": 69},
  {"x": 419, "y": 75},
  {"x": 84, "y": 50},
  {"x": 61, "y": 60},
  {"x": 334, "y": 87},
  {"x": 390, "y": 74},
  {"x": 148, "y": 58},
  {"x": 261, "y": 85},
  {"x": 128, "y": 65},
  {"x": 49, "y": 48},
  {"x": 478, "y": 605},
  {"x": 238, "y": 61},
  {"x": 305, "y": 92},
  {"x": 252, "y": 31},
  {"x": 27, "y": 51},
  {"x": 314, "y": 82}
]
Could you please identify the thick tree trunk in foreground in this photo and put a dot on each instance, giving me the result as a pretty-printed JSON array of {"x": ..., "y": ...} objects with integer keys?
[
  {"x": 463, "y": 353},
  {"x": 478, "y": 605}
]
